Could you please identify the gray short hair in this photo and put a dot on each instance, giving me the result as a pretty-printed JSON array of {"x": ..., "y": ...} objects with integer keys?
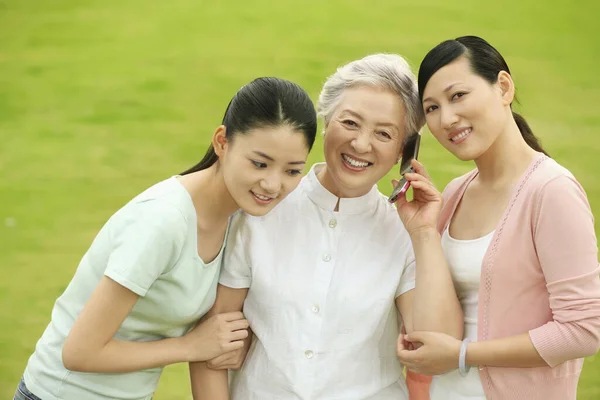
[{"x": 389, "y": 71}]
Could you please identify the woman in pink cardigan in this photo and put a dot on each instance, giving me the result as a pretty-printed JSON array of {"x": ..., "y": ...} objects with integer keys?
[{"x": 518, "y": 234}]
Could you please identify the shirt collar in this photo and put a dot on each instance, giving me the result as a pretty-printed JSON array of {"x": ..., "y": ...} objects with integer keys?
[{"x": 327, "y": 200}]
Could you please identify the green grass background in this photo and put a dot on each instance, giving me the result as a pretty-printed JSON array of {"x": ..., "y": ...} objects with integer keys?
[{"x": 102, "y": 98}]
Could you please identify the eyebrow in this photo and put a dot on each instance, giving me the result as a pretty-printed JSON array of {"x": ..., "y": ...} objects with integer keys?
[
  {"x": 390, "y": 124},
  {"x": 357, "y": 115},
  {"x": 448, "y": 88},
  {"x": 263, "y": 155}
]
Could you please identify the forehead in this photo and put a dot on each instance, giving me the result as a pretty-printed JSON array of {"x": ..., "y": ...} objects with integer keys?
[
  {"x": 458, "y": 71},
  {"x": 278, "y": 140},
  {"x": 372, "y": 103}
]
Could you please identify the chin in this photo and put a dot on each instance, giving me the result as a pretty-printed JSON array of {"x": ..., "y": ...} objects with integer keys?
[
  {"x": 464, "y": 157},
  {"x": 467, "y": 154},
  {"x": 256, "y": 210},
  {"x": 255, "y": 213}
]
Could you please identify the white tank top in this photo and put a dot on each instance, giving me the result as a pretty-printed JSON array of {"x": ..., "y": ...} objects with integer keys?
[{"x": 465, "y": 258}]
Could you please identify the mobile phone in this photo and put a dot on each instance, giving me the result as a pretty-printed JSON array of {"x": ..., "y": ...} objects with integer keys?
[{"x": 409, "y": 153}]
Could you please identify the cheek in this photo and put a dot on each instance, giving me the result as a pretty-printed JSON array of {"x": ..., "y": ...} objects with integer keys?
[
  {"x": 238, "y": 173},
  {"x": 439, "y": 134},
  {"x": 290, "y": 183},
  {"x": 433, "y": 123},
  {"x": 333, "y": 136},
  {"x": 388, "y": 154}
]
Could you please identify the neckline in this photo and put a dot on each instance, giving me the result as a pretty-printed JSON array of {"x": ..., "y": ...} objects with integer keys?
[
  {"x": 517, "y": 188},
  {"x": 328, "y": 201},
  {"x": 190, "y": 203},
  {"x": 465, "y": 241}
]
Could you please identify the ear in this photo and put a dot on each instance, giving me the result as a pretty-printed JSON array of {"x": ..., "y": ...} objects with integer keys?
[
  {"x": 507, "y": 87},
  {"x": 325, "y": 126},
  {"x": 219, "y": 140}
]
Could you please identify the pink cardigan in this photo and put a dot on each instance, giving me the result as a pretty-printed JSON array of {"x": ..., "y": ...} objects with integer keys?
[{"x": 540, "y": 275}]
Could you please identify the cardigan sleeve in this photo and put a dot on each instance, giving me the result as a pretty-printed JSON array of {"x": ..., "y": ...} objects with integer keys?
[{"x": 566, "y": 246}]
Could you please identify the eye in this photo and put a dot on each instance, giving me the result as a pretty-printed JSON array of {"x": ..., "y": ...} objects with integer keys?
[
  {"x": 259, "y": 164},
  {"x": 430, "y": 109},
  {"x": 384, "y": 135},
  {"x": 350, "y": 123},
  {"x": 458, "y": 95},
  {"x": 294, "y": 172}
]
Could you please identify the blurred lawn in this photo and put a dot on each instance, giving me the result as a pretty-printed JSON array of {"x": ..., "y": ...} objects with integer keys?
[{"x": 100, "y": 99}]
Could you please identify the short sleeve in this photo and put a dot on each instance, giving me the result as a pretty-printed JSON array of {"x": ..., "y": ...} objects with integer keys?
[
  {"x": 146, "y": 240},
  {"x": 567, "y": 249},
  {"x": 407, "y": 279},
  {"x": 236, "y": 271}
]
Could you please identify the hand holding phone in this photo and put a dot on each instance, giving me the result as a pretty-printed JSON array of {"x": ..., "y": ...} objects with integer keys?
[{"x": 409, "y": 153}]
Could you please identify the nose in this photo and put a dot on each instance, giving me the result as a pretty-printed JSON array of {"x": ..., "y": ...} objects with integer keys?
[
  {"x": 271, "y": 183},
  {"x": 448, "y": 117},
  {"x": 362, "y": 142}
]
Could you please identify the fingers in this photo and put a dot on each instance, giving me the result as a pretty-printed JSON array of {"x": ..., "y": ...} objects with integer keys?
[
  {"x": 401, "y": 199},
  {"x": 410, "y": 357},
  {"x": 220, "y": 362},
  {"x": 415, "y": 176},
  {"x": 417, "y": 336},
  {"x": 225, "y": 361},
  {"x": 239, "y": 335},
  {"x": 231, "y": 346},
  {"x": 400, "y": 345},
  {"x": 238, "y": 325},
  {"x": 424, "y": 191},
  {"x": 232, "y": 316},
  {"x": 420, "y": 169}
]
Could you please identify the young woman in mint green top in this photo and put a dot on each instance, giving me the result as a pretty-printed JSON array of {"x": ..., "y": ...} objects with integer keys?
[{"x": 151, "y": 273}]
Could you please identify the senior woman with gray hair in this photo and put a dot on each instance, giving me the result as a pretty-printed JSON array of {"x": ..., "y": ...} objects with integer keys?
[{"x": 319, "y": 278}]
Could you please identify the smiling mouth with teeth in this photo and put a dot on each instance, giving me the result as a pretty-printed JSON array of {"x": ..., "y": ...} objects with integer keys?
[
  {"x": 262, "y": 199},
  {"x": 458, "y": 138},
  {"x": 355, "y": 163}
]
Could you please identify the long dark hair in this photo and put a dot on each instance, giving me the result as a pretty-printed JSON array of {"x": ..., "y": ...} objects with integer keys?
[
  {"x": 265, "y": 102},
  {"x": 485, "y": 61}
]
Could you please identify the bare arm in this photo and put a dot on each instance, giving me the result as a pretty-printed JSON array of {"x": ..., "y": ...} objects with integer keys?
[
  {"x": 404, "y": 304},
  {"x": 210, "y": 384},
  {"x": 90, "y": 346},
  {"x": 438, "y": 353},
  {"x": 435, "y": 306}
]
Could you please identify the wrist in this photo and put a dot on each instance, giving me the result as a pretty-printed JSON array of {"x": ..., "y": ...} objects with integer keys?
[
  {"x": 424, "y": 234},
  {"x": 463, "y": 367},
  {"x": 184, "y": 349}
]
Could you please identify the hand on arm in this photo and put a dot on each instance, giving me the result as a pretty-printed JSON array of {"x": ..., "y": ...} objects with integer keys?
[
  {"x": 211, "y": 384},
  {"x": 233, "y": 359},
  {"x": 438, "y": 353},
  {"x": 91, "y": 347}
]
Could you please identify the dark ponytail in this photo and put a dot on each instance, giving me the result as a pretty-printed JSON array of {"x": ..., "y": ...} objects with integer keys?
[
  {"x": 485, "y": 61},
  {"x": 207, "y": 161},
  {"x": 265, "y": 102},
  {"x": 527, "y": 134}
]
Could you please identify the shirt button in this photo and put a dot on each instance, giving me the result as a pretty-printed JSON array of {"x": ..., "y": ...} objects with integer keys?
[
  {"x": 326, "y": 257},
  {"x": 308, "y": 354},
  {"x": 315, "y": 309},
  {"x": 332, "y": 223}
]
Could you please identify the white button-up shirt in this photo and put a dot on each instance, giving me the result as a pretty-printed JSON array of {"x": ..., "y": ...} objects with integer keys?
[{"x": 322, "y": 285}]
